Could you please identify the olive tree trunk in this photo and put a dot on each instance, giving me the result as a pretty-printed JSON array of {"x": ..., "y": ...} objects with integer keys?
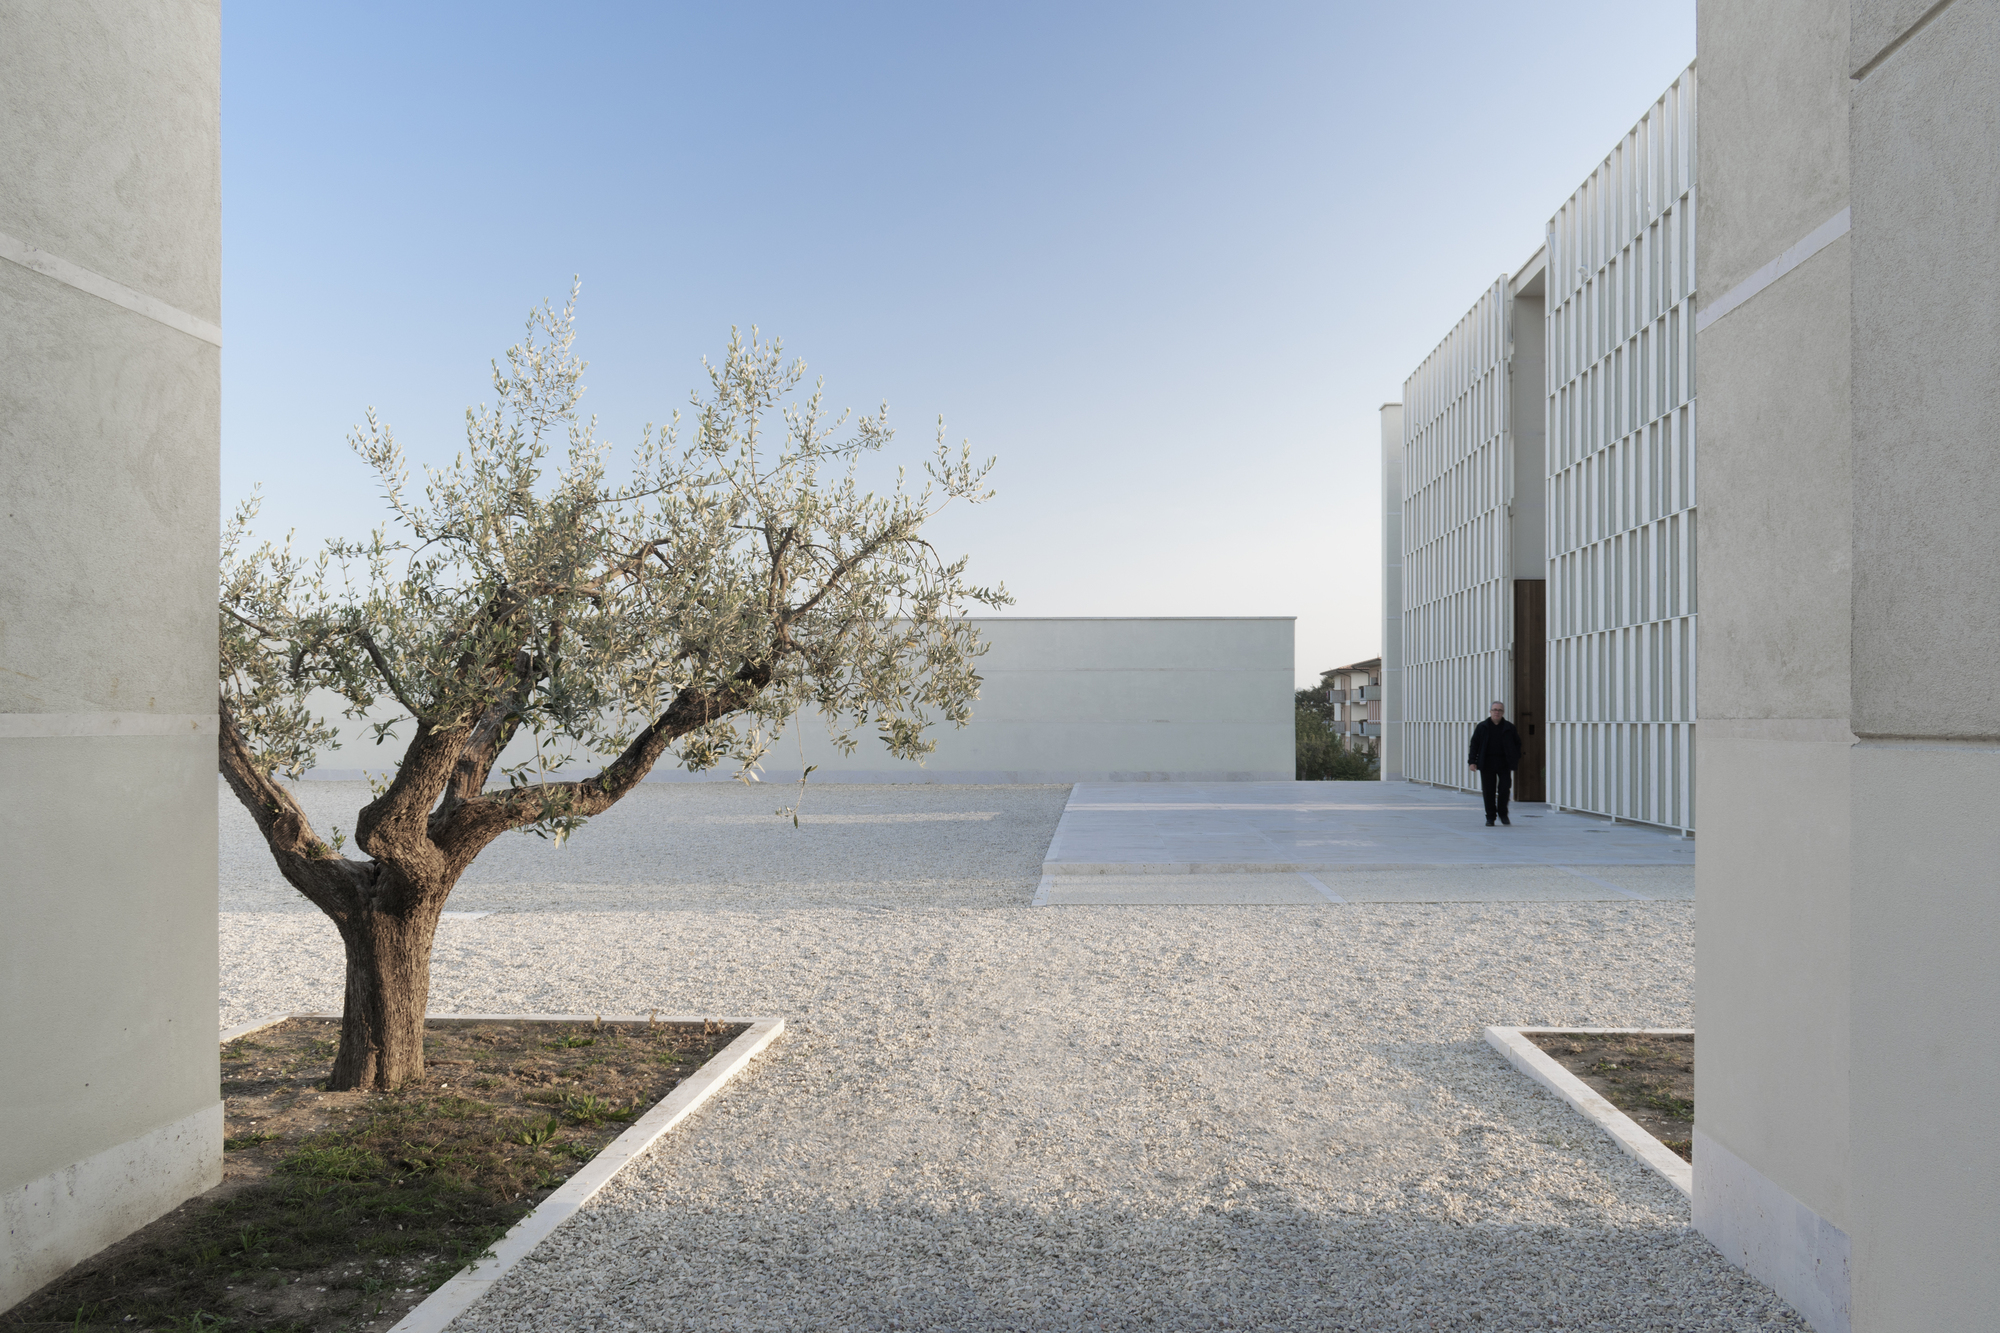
[
  {"x": 420, "y": 835},
  {"x": 388, "y": 988}
]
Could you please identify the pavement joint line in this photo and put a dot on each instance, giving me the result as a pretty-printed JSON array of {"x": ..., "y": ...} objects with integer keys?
[
  {"x": 1615, "y": 888},
  {"x": 1313, "y": 867},
  {"x": 458, "y": 1293},
  {"x": 1540, "y": 1066},
  {"x": 1324, "y": 891}
]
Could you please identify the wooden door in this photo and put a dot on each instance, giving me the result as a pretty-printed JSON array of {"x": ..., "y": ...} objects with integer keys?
[{"x": 1531, "y": 672}]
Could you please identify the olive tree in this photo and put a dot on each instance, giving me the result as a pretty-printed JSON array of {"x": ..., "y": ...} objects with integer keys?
[{"x": 683, "y": 612}]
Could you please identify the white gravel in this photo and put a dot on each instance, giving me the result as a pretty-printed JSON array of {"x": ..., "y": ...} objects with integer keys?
[{"x": 990, "y": 1116}]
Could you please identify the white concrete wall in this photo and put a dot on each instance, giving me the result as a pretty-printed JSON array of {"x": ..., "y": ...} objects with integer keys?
[
  {"x": 1848, "y": 1147},
  {"x": 1773, "y": 933},
  {"x": 1064, "y": 700},
  {"x": 1621, "y": 477},
  {"x": 1923, "y": 119},
  {"x": 1457, "y": 483},
  {"x": 1391, "y": 752},
  {"x": 110, "y": 290}
]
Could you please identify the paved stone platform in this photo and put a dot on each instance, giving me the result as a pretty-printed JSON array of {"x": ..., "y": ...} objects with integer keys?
[
  {"x": 1188, "y": 827},
  {"x": 1275, "y": 843},
  {"x": 1450, "y": 884}
]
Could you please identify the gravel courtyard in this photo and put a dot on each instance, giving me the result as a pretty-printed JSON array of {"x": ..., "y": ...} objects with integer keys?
[{"x": 986, "y": 1115}]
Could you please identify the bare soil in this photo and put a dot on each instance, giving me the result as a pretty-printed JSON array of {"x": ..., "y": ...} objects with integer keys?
[
  {"x": 1649, "y": 1078},
  {"x": 343, "y": 1210}
]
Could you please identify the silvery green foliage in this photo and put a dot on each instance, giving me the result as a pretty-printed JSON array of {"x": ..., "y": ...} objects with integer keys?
[{"x": 744, "y": 573}]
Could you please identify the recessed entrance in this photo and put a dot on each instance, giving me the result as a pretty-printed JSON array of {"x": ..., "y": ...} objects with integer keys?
[{"x": 1531, "y": 669}]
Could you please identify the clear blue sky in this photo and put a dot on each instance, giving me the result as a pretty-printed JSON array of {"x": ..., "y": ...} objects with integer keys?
[{"x": 1164, "y": 260}]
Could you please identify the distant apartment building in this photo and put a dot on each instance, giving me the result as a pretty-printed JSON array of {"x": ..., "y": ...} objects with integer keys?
[
  {"x": 1354, "y": 696},
  {"x": 1539, "y": 496}
]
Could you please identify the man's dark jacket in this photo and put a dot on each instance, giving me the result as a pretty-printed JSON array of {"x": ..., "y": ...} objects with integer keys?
[{"x": 1497, "y": 744}]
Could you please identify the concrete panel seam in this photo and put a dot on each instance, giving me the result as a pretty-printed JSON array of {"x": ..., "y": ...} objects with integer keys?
[
  {"x": 44, "y": 726},
  {"x": 105, "y": 289},
  {"x": 1792, "y": 730},
  {"x": 1814, "y": 241},
  {"x": 1615, "y": 888},
  {"x": 1875, "y": 62},
  {"x": 1324, "y": 891},
  {"x": 1531, "y": 1060}
]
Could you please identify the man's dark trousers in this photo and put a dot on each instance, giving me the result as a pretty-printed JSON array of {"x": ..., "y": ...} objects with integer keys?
[{"x": 1496, "y": 784}]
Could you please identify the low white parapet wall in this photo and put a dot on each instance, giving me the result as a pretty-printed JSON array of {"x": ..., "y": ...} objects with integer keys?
[{"x": 1064, "y": 699}]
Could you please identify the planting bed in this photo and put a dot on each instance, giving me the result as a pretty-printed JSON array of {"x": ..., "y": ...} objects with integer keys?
[
  {"x": 342, "y": 1211},
  {"x": 1648, "y": 1076}
]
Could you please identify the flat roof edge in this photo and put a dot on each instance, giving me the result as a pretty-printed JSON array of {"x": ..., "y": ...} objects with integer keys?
[{"x": 1534, "y": 264}]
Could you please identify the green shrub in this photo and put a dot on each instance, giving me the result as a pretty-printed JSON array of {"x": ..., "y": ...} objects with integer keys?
[{"x": 1320, "y": 755}]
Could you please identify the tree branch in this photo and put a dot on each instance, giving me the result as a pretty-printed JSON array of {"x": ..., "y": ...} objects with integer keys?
[
  {"x": 332, "y": 883},
  {"x": 389, "y": 676},
  {"x": 249, "y": 624},
  {"x": 840, "y": 570},
  {"x": 474, "y": 823}
]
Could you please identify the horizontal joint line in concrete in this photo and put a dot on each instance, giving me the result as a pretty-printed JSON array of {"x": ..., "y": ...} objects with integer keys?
[
  {"x": 1816, "y": 240},
  {"x": 1615, "y": 888},
  {"x": 1892, "y": 742},
  {"x": 96, "y": 284},
  {"x": 37, "y": 726},
  {"x": 1324, "y": 891},
  {"x": 1875, "y": 61}
]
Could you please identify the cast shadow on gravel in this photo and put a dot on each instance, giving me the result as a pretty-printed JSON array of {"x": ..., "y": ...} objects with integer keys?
[{"x": 1250, "y": 1266}]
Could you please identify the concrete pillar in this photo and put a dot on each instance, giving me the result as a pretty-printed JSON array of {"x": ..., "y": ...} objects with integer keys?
[
  {"x": 1923, "y": 116},
  {"x": 1391, "y": 753},
  {"x": 1772, "y": 1142},
  {"x": 110, "y": 291},
  {"x": 1848, "y": 1146}
]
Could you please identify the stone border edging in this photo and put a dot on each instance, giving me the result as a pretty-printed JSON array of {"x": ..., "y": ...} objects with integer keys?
[
  {"x": 1538, "y": 1065},
  {"x": 458, "y": 1293}
]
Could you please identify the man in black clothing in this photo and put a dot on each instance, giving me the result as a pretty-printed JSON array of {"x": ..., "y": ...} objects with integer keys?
[{"x": 1495, "y": 752}]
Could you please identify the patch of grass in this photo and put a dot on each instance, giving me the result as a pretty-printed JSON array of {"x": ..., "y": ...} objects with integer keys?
[
  {"x": 537, "y": 1136},
  {"x": 333, "y": 1161},
  {"x": 587, "y": 1108},
  {"x": 1650, "y": 1077},
  {"x": 342, "y": 1208}
]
